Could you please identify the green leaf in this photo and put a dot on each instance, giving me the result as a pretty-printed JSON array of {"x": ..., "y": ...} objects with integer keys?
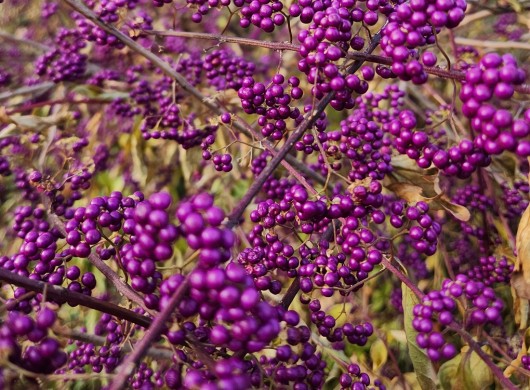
[
  {"x": 448, "y": 372},
  {"x": 476, "y": 374},
  {"x": 332, "y": 384},
  {"x": 378, "y": 354},
  {"x": 422, "y": 364}
]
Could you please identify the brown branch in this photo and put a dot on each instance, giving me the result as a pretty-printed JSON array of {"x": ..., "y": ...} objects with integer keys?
[
  {"x": 62, "y": 295},
  {"x": 33, "y": 44},
  {"x": 125, "y": 369},
  {"x": 37, "y": 89}
]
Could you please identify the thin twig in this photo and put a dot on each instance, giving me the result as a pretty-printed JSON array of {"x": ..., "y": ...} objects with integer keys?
[
  {"x": 366, "y": 56},
  {"x": 37, "y": 89},
  {"x": 35, "y": 45},
  {"x": 508, "y": 45},
  {"x": 157, "y": 353}
]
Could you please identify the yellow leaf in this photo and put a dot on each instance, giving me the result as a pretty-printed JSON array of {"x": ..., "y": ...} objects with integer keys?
[
  {"x": 340, "y": 312},
  {"x": 521, "y": 275},
  {"x": 447, "y": 373},
  {"x": 517, "y": 361},
  {"x": 378, "y": 354},
  {"x": 474, "y": 373}
]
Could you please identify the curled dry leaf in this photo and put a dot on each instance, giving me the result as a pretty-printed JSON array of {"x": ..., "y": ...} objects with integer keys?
[
  {"x": 522, "y": 352},
  {"x": 34, "y": 122},
  {"x": 413, "y": 194},
  {"x": 408, "y": 192}
]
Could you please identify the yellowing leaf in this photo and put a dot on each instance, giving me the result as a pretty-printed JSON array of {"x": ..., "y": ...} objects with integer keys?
[
  {"x": 459, "y": 212},
  {"x": 522, "y": 244},
  {"x": 408, "y": 192},
  {"x": 447, "y": 374},
  {"x": 521, "y": 275},
  {"x": 522, "y": 352},
  {"x": 340, "y": 312},
  {"x": 473, "y": 372},
  {"x": 34, "y": 122},
  {"x": 412, "y": 194},
  {"x": 422, "y": 364},
  {"x": 378, "y": 354}
]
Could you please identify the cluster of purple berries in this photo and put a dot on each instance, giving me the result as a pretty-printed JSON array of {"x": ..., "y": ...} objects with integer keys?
[
  {"x": 415, "y": 24},
  {"x": 460, "y": 160},
  {"x": 423, "y": 230},
  {"x": 265, "y": 14},
  {"x": 225, "y": 70},
  {"x": 491, "y": 271},
  {"x": 65, "y": 63},
  {"x": 515, "y": 198},
  {"x": 488, "y": 84},
  {"x": 151, "y": 240},
  {"x": 271, "y": 103},
  {"x": 483, "y": 308},
  {"x": 201, "y": 227},
  {"x": 41, "y": 353},
  {"x": 85, "y": 228}
]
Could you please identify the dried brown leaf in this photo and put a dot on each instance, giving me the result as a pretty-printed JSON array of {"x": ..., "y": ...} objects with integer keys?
[
  {"x": 413, "y": 194},
  {"x": 408, "y": 192}
]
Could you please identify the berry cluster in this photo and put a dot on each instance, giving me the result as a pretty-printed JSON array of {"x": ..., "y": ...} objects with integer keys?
[
  {"x": 87, "y": 225},
  {"x": 515, "y": 198},
  {"x": 361, "y": 141},
  {"x": 41, "y": 353},
  {"x": 228, "y": 297},
  {"x": 201, "y": 227},
  {"x": 423, "y": 231},
  {"x": 99, "y": 359},
  {"x": 489, "y": 82},
  {"x": 151, "y": 239},
  {"x": 224, "y": 70},
  {"x": 491, "y": 271},
  {"x": 415, "y": 24},
  {"x": 266, "y": 15},
  {"x": 483, "y": 308},
  {"x": 271, "y": 103},
  {"x": 460, "y": 160},
  {"x": 65, "y": 63}
]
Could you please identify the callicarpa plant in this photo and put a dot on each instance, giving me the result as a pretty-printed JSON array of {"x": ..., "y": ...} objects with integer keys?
[{"x": 264, "y": 194}]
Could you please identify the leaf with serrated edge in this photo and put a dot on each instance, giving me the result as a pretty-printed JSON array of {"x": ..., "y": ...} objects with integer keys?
[{"x": 422, "y": 364}]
